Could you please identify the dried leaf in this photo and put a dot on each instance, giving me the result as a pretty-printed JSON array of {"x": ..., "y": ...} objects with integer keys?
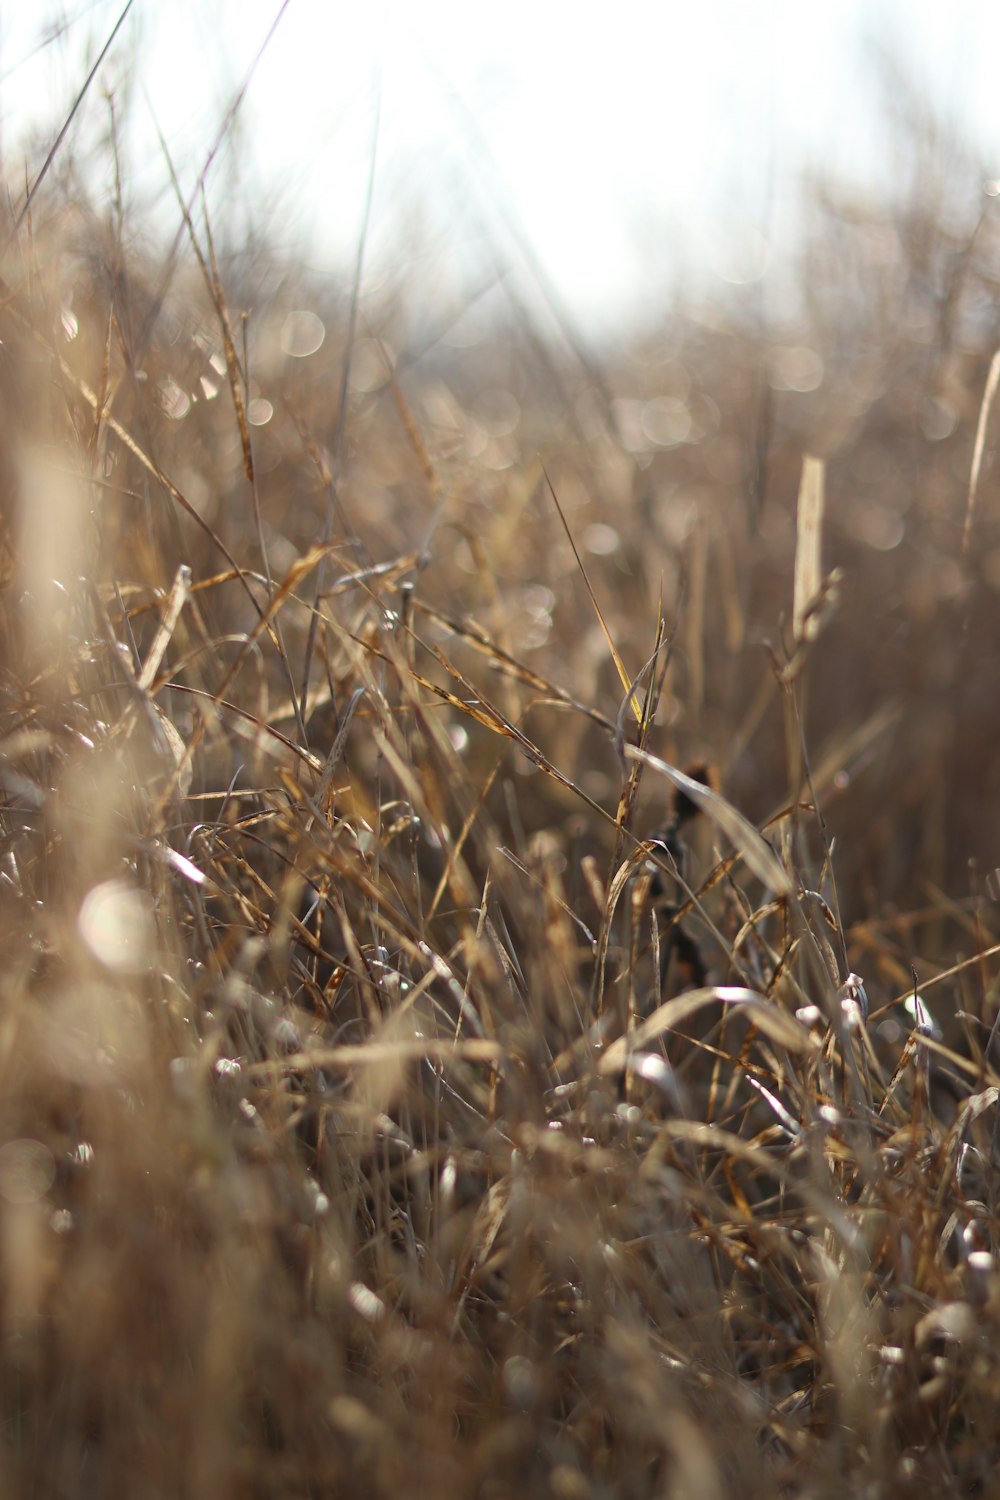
[
  {"x": 782, "y": 1028},
  {"x": 986, "y": 405},
  {"x": 754, "y": 849},
  {"x": 808, "y": 565}
]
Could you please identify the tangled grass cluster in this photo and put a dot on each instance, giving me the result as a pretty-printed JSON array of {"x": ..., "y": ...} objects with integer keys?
[{"x": 416, "y": 1082}]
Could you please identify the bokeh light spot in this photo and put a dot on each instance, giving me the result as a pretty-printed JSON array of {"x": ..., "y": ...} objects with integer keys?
[{"x": 302, "y": 333}]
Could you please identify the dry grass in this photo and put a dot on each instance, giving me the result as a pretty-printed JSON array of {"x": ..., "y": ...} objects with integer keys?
[{"x": 420, "y": 1086}]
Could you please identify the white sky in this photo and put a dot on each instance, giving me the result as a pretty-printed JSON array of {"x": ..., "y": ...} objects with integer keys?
[{"x": 621, "y": 138}]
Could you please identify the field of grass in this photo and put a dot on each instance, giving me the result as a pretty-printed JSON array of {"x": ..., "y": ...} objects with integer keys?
[{"x": 497, "y": 880}]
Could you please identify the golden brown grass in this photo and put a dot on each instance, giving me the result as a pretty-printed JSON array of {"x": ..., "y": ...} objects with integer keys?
[{"x": 420, "y": 1085}]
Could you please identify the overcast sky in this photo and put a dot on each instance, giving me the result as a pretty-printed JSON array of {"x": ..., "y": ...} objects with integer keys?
[{"x": 616, "y": 142}]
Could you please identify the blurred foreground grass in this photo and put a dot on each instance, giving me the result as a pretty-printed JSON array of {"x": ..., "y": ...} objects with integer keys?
[{"x": 411, "y": 1084}]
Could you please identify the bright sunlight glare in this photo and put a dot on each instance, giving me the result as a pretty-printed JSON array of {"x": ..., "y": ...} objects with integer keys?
[{"x": 610, "y": 152}]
